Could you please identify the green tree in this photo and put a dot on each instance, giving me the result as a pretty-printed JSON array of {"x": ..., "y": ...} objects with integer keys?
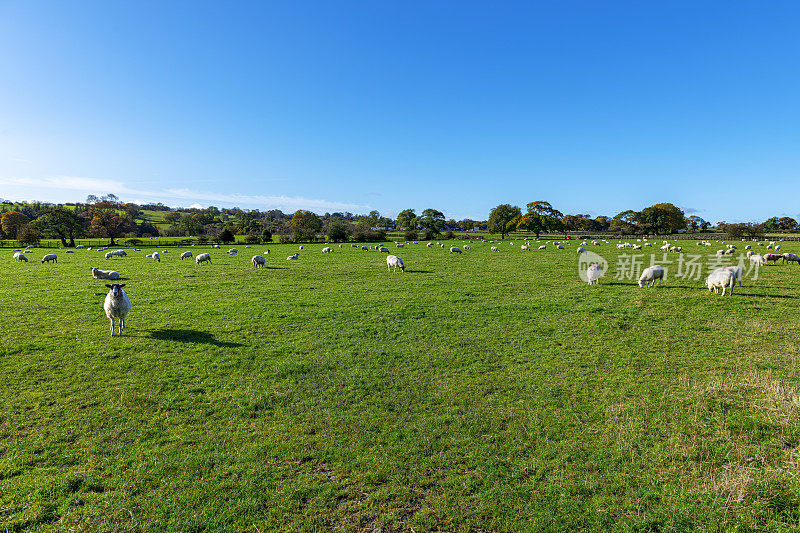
[
  {"x": 63, "y": 224},
  {"x": 12, "y": 221},
  {"x": 27, "y": 234},
  {"x": 541, "y": 217},
  {"x": 407, "y": 219},
  {"x": 432, "y": 220},
  {"x": 663, "y": 218},
  {"x": 338, "y": 230},
  {"x": 503, "y": 219},
  {"x": 787, "y": 224},
  {"x": 305, "y": 225},
  {"x": 226, "y": 236}
]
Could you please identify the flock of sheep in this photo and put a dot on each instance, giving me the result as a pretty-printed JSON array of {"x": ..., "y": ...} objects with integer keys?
[{"x": 117, "y": 304}]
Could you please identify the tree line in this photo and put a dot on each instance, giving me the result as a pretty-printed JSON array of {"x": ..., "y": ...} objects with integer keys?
[{"x": 107, "y": 217}]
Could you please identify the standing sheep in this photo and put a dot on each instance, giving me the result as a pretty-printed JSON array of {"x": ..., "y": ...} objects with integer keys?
[
  {"x": 20, "y": 257},
  {"x": 721, "y": 278},
  {"x": 327, "y": 250},
  {"x": 156, "y": 257},
  {"x": 258, "y": 261},
  {"x": 50, "y": 257},
  {"x": 581, "y": 250},
  {"x": 186, "y": 255},
  {"x": 455, "y": 250},
  {"x": 203, "y": 258},
  {"x": 495, "y": 249},
  {"x": 593, "y": 274},
  {"x": 117, "y": 305},
  {"x": 294, "y": 257},
  {"x": 650, "y": 275},
  {"x": 392, "y": 261}
]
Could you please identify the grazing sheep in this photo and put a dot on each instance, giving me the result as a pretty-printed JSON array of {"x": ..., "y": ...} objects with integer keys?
[
  {"x": 593, "y": 274},
  {"x": 400, "y": 245},
  {"x": 650, "y": 275},
  {"x": 232, "y": 251},
  {"x": 50, "y": 257},
  {"x": 156, "y": 257},
  {"x": 543, "y": 247},
  {"x": 258, "y": 261},
  {"x": 327, "y": 250},
  {"x": 676, "y": 249},
  {"x": 294, "y": 257},
  {"x": 637, "y": 246},
  {"x": 79, "y": 246},
  {"x": 455, "y": 250},
  {"x": 117, "y": 305},
  {"x": 581, "y": 250},
  {"x": 364, "y": 248},
  {"x": 525, "y": 248},
  {"x": 777, "y": 247},
  {"x": 747, "y": 247},
  {"x": 104, "y": 274},
  {"x": 429, "y": 245},
  {"x": 467, "y": 247},
  {"x": 736, "y": 271},
  {"x": 720, "y": 253},
  {"x": 203, "y": 258},
  {"x": 383, "y": 249},
  {"x": 721, "y": 278},
  {"x": 495, "y": 249},
  {"x": 20, "y": 257},
  {"x": 186, "y": 255},
  {"x": 301, "y": 248},
  {"x": 772, "y": 257},
  {"x": 392, "y": 261},
  {"x": 109, "y": 255},
  {"x": 560, "y": 246},
  {"x": 791, "y": 258}
]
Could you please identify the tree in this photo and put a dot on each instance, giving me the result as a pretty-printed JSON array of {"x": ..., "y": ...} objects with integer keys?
[
  {"x": 63, "y": 224},
  {"x": 11, "y": 222},
  {"x": 787, "y": 224},
  {"x": 226, "y": 236},
  {"x": 266, "y": 235},
  {"x": 694, "y": 223},
  {"x": 338, "y": 230},
  {"x": 432, "y": 220},
  {"x": 503, "y": 219},
  {"x": 663, "y": 218},
  {"x": 106, "y": 221},
  {"x": 27, "y": 234},
  {"x": 305, "y": 225},
  {"x": 407, "y": 219},
  {"x": 540, "y": 217}
]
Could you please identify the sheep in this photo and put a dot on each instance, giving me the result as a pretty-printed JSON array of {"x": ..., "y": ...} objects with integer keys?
[
  {"x": 232, "y": 251},
  {"x": 20, "y": 257},
  {"x": 637, "y": 246},
  {"x": 383, "y": 249},
  {"x": 790, "y": 258},
  {"x": 777, "y": 247},
  {"x": 203, "y": 258},
  {"x": 721, "y": 278},
  {"x": 543, "y": 247},
  {"x": 109, "y": 255},
  {"x": 455, "y": 250},
  {"x": 581, "y": 250},
  {"x": 258, "y": 261},
  {"x": 104, "y": 274},
  {"x": 525, "y": 248},
  {"x": 560, "y": 246},
  {"x": 429, "y": 245},
  {"x": 79, "y": 246},
  {"x": 650, "y": 275},
  {"x": 593, "y": 274},
  {"x": 50, "y": 257},
  {"x": 294, "y": 257},
  {"x": 495, "y": 249},
  {"x": 758, "y": 259},
  {"x": 365, "y": 249},
  {"x": 327, "y": 250},
  {"x": 156, "y": 257},
  {"x": 117, "y": 305},
  {"x": 676, "y": 249},
  {"x": 392, "y": 261},
  {"x": 649, "y": 244},
  {"x": 186, "y": 255},
  {"x": 720, "y": 253},
  {"x": 121, "y": 253},
  {"x": 772, "y": 257},
  {"x": 400, "y": 245},
  {"x": 747, "y": 247}
]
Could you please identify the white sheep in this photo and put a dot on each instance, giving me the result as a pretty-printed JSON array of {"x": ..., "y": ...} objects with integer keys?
[
  {"x": 301, "y": 248},
  {"x": 104, "y": 274},
  {"x": 294, "y": 257},
  {"x": 791, "y": 258},
  {"x": 232, "y": 251},
  {"x": 455, "y": 250},
  {"x": 400, "y": 245},
  {"x": 495, "y": 249},
  {"x": 593, "y": 274},
  {"x": 203, "y": 258},
  {"x": 117, "y": 305},
  {"x": 467, "y": 247},
  {"x": 560, "y": 246},
  {"x": 543, "y": 247},
  {"x": 737, "y": 273},
  {"x": 650, "y": 275},
  {"x": 392, "y": 261},
  {"x": 258, "y": 261},
  {"x": 50, "y": 257},
  {"x": 327, "y": 250},
  {"x": 109, "y": 255},
  {"x": 186, "y": 255},
  {"x": 20, "y": 257},
  {"x": 156, "y": 257},
  {"x": 581, "y": 250},
  {"x": 721, "y": 278},
  {"x": 383, "y": 249},
  {"x": 429, "y": 245}
]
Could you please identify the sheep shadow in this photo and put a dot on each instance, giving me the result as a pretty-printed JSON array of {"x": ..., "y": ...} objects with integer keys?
[
  {"x": 761, "y": 295},
  {"x": 191, "y": 335}
]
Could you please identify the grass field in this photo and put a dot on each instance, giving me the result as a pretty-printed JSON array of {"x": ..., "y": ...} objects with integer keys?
[{"x": 481, "y": 392}]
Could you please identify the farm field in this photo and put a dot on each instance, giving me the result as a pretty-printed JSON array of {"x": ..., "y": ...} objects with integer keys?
[{"x": 487, "y": 391}]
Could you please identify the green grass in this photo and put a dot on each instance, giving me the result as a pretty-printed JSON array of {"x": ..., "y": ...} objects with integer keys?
[{"x": 482, "y": 392}]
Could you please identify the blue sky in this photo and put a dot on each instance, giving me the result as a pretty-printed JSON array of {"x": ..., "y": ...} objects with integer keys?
[{"x": 596, "y": 107}]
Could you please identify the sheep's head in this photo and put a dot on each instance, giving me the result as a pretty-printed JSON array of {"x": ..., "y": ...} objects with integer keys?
[
  {"x": 116, "y": 288},
  {"x": 641, "y": 283}
]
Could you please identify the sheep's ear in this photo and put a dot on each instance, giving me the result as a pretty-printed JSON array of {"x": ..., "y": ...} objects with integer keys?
[{"x": 109, "y": 286}]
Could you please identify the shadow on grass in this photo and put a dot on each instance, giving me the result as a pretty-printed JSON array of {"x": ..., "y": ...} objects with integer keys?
[
  {"x": 191, "y": 335},
  {"x": 419, "y": 271},
  {"x": 761, "y": 295}
]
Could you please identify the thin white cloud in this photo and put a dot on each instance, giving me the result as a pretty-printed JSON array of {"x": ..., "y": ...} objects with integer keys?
[{"x": 44, "y": 189}]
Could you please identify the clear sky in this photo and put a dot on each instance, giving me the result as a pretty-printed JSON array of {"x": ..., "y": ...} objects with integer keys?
[{"x": 597, "y": 107}]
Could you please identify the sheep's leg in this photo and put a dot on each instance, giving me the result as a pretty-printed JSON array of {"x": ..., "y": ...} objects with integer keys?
[
  {"x": 112, "y": 326},
  {"x": 121, "y": 325}
]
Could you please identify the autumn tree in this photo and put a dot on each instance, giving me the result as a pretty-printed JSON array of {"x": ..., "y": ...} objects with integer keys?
[
  {"x": 11, "y": 222},
  {"x": 106, "y": 221},
  {"x": 503, "y": 219}
]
